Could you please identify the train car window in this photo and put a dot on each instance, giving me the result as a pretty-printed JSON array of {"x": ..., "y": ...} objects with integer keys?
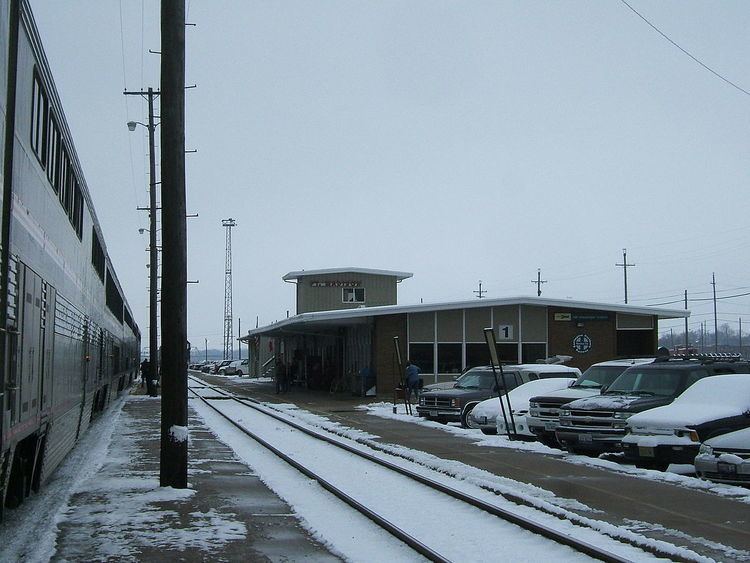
[
  {"x": 113, "y": 297},
  {"x": 97, "y": 254},
  {"x": 39, "y": 111},
  {"x": 78, "y": 212},
  {"x": 62, "y": 175},
  {"x": 70, "y": 182},
  {"x": 53, "y": 147}
]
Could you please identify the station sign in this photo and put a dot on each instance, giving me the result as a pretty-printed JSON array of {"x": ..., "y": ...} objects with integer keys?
[{"x": 335, "y": 284}]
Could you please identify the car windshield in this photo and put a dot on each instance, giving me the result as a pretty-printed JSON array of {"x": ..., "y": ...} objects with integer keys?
[
  {"x": 476, "y": 380},
  {"x": 481, "y": 379},
  {"x": 598, "y": 376},
  {"x": 657, "y": 382}
]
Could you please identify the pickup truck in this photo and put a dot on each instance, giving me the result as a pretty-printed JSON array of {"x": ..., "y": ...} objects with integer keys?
[
  {"x": 544, "y": 410},
  {"x": 597, "y": 424}
]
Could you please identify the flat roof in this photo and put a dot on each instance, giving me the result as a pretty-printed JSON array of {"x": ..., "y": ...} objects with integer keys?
[
  {"x": 302, "y": 273},
  {"x": 330, "y": 317}
]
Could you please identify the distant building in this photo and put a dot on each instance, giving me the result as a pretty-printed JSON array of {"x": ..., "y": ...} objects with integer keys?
[{"x": 347, "y": 319}]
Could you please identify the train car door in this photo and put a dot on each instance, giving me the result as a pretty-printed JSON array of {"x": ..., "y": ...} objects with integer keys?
[
  {"x": 30, "y": 344},
  {"x": 48, "y": 330}
]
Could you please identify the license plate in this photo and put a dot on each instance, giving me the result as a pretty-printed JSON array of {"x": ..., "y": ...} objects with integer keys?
[
  {"x": 550, "y": 425},
  {"x": 585, "y": 438},
  {"x": 433, "y": 413},
  {"x": 726, "y": 468},
  {"x": 645, "y": 451}
]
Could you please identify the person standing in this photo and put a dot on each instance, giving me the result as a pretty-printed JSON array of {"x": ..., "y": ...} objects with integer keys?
[
  {"x": 413, "y": 377},
  {"x": 145, "y": 372}
]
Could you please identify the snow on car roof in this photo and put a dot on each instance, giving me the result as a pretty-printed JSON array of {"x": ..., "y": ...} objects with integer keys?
[
  {"x": 520, "y": 396},
  {"x": 710, "y": 398}
]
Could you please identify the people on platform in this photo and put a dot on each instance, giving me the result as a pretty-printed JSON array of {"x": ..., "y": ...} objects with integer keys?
[{"x": 413, "y": 379}]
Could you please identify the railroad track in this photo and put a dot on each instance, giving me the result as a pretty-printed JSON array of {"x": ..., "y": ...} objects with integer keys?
[{"x": 529, "y": 524}]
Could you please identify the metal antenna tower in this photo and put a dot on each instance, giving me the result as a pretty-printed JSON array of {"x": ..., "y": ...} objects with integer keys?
[{"x": 228, "y": 340}]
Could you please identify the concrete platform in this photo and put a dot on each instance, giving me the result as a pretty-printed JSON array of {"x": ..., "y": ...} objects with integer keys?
[{"x": 228, "y": 514}]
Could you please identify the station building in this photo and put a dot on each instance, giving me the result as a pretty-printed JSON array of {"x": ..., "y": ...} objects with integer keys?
[{"x": 342, "y": 335}]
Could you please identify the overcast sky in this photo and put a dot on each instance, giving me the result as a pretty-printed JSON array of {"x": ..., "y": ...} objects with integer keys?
[{"x": 460, "y": 141}]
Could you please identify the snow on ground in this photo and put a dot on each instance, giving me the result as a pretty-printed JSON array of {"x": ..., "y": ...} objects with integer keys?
[
  {"x": 676, "y": 474},
  {"x": 344, "y": 531},
  {"x": 245, "y": 380},
  {"x": 474, "y": 481},
  {"x": 31, "y": 532},
  {"x": 127, "y": 506}
]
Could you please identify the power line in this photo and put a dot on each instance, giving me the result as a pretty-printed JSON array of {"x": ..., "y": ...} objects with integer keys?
[{"x": 709, "y": 69}]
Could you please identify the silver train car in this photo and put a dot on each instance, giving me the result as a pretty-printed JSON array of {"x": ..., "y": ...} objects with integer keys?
[{"x": 68, "y": 342}]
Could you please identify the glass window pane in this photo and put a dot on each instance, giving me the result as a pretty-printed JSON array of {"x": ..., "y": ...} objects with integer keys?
[
  {"x": 534, "y": 352},
  {"x": 422, "y": 356},
  {"x": 449, "y": 358}
]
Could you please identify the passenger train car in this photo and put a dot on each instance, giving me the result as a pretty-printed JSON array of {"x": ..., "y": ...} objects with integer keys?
[{"x": 68, "y": 342}]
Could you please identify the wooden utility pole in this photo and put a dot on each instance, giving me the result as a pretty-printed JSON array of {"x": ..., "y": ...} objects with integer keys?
[
  {"x": 716, "y": 320},
  {"x": 687, "y": 338},
  {"x": 625, "y": 267},
  {"x": 153, "y": 250},
  {"x": 480, "y": 292},
  {"x": 174, "y": 445},
  {"x": 538, "y": 281}
]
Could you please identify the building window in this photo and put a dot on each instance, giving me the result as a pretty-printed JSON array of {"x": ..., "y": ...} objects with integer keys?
[
  {"x": 479, "y": 355},
  {"x": 533, "y": 352},
  {"x": 422, "y": 356},
  {"x": 353, "y": 295},
  {"x": 449, "y": 357}
]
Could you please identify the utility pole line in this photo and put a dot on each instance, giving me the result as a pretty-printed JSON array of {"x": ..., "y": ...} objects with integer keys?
[
  {"x": 228, "y": 344},
  {"x": 538, "y": 281},
  {"x": 174, "y": 445},
  {"x": 716, "y": 321},
  {"x": 479, "y": 292},
  {"x": 625, "y": 267},
  {"x": 153, "y": 250},
  {"x": 239, "y": 335}
]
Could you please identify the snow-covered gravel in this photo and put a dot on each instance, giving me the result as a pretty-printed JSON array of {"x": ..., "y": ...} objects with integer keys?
[{"x": 680, "y": 475}]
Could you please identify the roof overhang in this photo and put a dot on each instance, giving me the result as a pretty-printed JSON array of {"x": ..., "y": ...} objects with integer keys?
[
  {"x": 303, "y": 273},
  {"x": 306, "y": 322}
]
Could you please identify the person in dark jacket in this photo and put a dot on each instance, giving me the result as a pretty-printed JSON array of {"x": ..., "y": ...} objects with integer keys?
[
  {"x": 413, "y": 377},
  {"x": 145, "y": 372}
]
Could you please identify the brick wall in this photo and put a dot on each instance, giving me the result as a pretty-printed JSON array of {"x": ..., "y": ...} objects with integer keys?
[{"x": 603, "y": 335}]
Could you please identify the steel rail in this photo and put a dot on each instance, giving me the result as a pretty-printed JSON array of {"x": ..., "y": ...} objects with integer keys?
[
  {"x": 388, "y": 526},
  {"x": 525, "y": 523}
]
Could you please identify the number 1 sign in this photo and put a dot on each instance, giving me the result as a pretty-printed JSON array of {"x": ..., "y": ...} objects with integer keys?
[{"x": 505, "y": 332}]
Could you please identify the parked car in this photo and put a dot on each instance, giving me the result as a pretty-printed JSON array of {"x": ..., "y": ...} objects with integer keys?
[
  {"x": 474, "y": 386},
  {"x": 673, "y": 433},
  {"x": 725, "y": 458},
  {"x": 541, "y": 378},
  {"x": 544, "y": 410},
  {"x": 218, "y": 365},
  {"x": 519, "y": 403},
  {"x": 237, "y": 367},
  {"x": 597, "y": 424},
  {"x": 207, "y": 367}
]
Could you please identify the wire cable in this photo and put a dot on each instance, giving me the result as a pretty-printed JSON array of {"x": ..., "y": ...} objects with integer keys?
[{"x": 665, "y": 36}]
